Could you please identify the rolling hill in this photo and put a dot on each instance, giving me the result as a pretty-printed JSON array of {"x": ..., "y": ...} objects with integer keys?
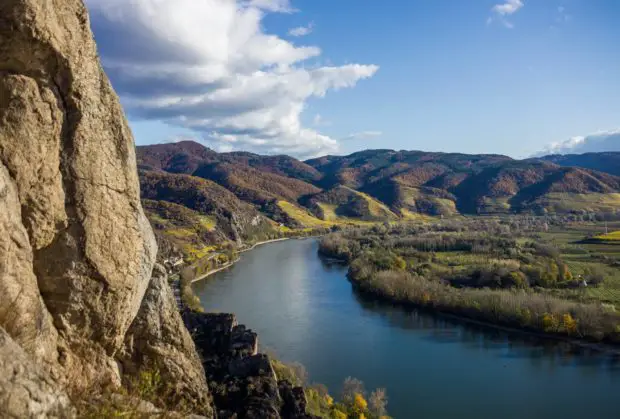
[
  {"x": 450, "y": 183},
  {"x": 243, "y": 195},
  {"x": 608, "y": 162}
]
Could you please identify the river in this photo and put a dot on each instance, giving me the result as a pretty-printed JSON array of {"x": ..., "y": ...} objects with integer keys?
[{"x": 305, "y": 310}]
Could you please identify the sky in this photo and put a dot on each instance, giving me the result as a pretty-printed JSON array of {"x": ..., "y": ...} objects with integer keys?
[{"x": 316, "y": 77}]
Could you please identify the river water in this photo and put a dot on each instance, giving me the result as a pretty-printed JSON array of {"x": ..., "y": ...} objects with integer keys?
[{"x": 305, "y": 310}]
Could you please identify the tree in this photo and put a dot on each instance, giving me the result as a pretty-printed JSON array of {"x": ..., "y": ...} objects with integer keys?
[
  {"x": 350, "y": 388},
  {"x": 378, "y": 402}
]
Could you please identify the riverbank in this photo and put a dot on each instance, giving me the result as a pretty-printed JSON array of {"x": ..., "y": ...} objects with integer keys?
[
  {"x": 385, "y": 345},
  {"x": 229, "y": 264},
  {"x": 476, "y": 273},
  {"x": 609, "y": 348},
  {"x": 515, "y": 309}
]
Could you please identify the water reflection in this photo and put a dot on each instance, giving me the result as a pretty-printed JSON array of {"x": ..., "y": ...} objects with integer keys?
[
  {"x": 433, "y": 366},
  {"x": 501, "y": 343}
]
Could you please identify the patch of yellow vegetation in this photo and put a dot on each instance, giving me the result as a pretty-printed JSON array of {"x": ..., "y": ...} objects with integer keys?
[
  {"x": 309, "y": 221},
  {"x": 155, "y": 218},
  {"x": 208, "y": 222},
  {"x": 614, "y": 236},
  {"x": 376, "y": 208},
  {"x": 414, "y": 216},
  {"x": 194, "y": 253},
  {"x": 302, "y": 216},
  {"x": 329, "y": 211},
  {"x": 181, "y": 232},
  {"x": 589, "y": 202}
]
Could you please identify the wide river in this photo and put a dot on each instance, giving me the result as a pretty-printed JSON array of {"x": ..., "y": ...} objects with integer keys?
[{"x": 304, "y": 309}]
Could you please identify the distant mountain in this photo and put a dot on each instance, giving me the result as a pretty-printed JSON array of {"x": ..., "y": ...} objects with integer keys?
[
  {"x": 370, "y": 166},
  {"x": 246, "y": 195},
  {"x": 608, "y": 162}
]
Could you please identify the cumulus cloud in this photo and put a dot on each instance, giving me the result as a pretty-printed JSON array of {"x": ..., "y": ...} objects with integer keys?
[
  {"x": 209, "y": 65},
  {"x": 501, "y": 12},
  {"x": 363, "y": 135},
  {"x": 302, "y": 30},
  {"x": 596, "y": 142}
]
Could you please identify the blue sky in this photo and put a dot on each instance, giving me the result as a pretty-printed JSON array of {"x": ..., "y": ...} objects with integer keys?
[{"x": 478, "y": 76}]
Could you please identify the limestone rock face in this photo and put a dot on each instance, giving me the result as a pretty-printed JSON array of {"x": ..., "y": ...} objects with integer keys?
[
  {"x": 26, "y": 391},
  {"x": 76, "y": 251},
  {"x": 66, "y": 144},
  {"x": 158, "y": 338},
  {"x": 22, "y": 312}
]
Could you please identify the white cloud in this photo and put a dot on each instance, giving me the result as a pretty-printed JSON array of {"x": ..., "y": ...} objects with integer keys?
[
  {"x": 209, "y": 65},
  {"x": 363, "y": 135},
  {"x": 501, "y": 12},
  {"x": 596, "y": 142},
  {"x": 302, "y": 30}
]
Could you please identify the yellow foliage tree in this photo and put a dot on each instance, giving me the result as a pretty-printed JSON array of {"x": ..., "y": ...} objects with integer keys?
[
  {"x": 569, "y": 323},
  {"x": 550, "y": 322},
  {"x": 337, "y": 414},
  {"x": 360, "y": 404}
]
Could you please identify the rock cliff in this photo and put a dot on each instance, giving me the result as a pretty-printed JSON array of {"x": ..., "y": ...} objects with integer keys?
[
  {"x": 77, "y": 250},
  {"x": 84, "y": 309}
]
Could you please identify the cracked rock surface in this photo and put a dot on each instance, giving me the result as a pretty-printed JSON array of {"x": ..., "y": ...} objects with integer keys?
[{"x": 76, "y": 251}]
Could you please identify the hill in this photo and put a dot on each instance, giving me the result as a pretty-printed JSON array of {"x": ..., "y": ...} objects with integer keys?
[
  {"x": 371, "y": 186},
  {"x": 195, "y": 213},
  {"x": 342, "y": 202},
  {"x": 447, "y": 183},
  {"x": 608, "y": 162}
]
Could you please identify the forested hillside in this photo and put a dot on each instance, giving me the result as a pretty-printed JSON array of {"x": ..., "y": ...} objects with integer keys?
[{"x": 250, "y": 196}]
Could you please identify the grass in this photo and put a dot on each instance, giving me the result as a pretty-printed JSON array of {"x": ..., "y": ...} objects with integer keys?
[
  {"x": 592, "y": 202},
  {"x": 306, "y": 219},
  {"x": 414, "y": 216},
  {"x": 613, "y": 237},
  {"x": 302, "y": 216},
  {"x": 376, "y": 208},
  {"x": 582, "y": 256},
  {"x": 329, "y": 211},
  {"x": 193, "y": 254},
  {"x": 208, "y": 222},
  {"x": 180, "y": 232},
  {"x": 410, "y": 196}
]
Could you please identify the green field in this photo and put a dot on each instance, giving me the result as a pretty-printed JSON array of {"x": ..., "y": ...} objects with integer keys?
[{"x": 583, "y": 255}]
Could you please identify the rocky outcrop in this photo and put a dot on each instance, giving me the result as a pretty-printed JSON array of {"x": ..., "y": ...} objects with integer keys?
[
  {"x": 158, "y": 340},
  {"x": 22, "y": 312},
  {"x": 83, "y": 306},
  {"x": 25, "y": 390},
  {"x": 77, "y": 252},
  {"x": 243, "y": 382}
]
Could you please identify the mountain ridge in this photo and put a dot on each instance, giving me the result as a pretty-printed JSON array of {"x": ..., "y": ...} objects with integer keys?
[{"x": 355, "y": 187}]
